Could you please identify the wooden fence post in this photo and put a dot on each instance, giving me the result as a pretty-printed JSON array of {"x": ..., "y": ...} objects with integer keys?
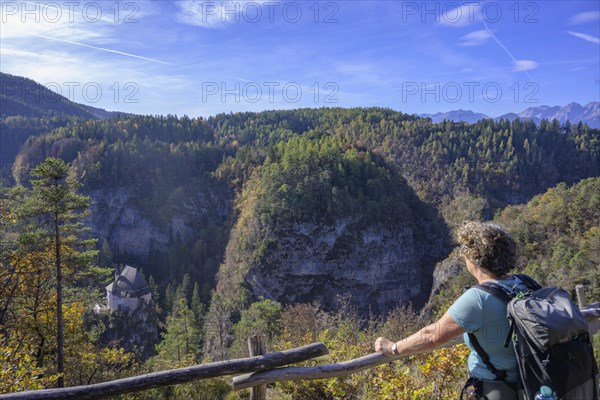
[
  {"x": 256, "y": 345},
  {"x": 581, "y": 300},
  {"x": 592, "y": 319}
]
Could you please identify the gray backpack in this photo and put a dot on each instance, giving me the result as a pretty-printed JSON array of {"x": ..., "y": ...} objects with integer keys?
[{"x": 551, "y": 340}]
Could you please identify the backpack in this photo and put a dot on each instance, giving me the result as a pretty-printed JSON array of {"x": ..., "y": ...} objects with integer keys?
[{"x": 551, "y": 340}]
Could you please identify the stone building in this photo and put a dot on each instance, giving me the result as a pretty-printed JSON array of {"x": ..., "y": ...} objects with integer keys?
[{"x": 127, "y": 290}]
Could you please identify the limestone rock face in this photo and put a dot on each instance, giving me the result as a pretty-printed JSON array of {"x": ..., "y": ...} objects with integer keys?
[
  {"x": 116, "y": 215},
  {"x": 371, "y": 267}
]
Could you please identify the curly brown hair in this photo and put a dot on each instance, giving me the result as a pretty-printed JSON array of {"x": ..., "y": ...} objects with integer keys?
[{"x": 489, "y": 246}]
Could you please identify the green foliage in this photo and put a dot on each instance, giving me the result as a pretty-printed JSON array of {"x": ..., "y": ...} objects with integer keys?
[
  {"x": 558, "y": 235},
  {"x": 306, "y": 165},
  {"x": 316, "y": 181},
  {"x": 310, "y": 164},
  {"x": 48, "y": 282},
  {"x": 181, "y": 340},
  {"x": 218, "y": 325},
  {"x": 53, "y": 209},
  {"x": 502, "y": 161},
  {"x": 261, "y": 318},
  {"x": 462, "y": 208},
  {"x": 164, "y": 165},
  {"x": 438, "y": 375},
  {"x": 180, "y": 343}
]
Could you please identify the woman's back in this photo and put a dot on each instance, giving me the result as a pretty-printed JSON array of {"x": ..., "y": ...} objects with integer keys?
[{"x": 484, "y": 315}]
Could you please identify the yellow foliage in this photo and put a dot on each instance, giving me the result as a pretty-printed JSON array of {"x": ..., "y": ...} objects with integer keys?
[
  {"x": 437, "y": 375},
  {"x": 18, "y": 370}
]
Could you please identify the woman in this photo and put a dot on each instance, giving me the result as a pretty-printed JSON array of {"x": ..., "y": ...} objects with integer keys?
[{"x": 489, "y": 252}]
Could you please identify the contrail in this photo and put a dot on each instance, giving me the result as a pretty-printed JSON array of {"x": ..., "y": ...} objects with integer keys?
[
  {"x": 502, "y": 45},
  {"x": 102, "y": 48},
  {"x": 585, "y": 37},
  {"x": 239, "y": 79}
]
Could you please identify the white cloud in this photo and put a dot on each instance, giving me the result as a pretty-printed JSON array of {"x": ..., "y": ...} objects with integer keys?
[
  {"x": 585, "y": 36},
  {"x": 524, "y": 65},
  {"x": 476, "y": 38},
  {"x": 46, "y": 58},
  {"x": 216, "y": 15},
  {"x": 584, "y": 18},
  {"x": 467, "y": 14},
  {"x": 64, "y": 20},
  {"x": 76, "y": 55},
  {"x": 364, "y": 73}
]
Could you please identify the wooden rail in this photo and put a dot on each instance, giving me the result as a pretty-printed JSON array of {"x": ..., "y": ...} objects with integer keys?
[
  {"x": 318, "y": 372},
  {"x": 366, "y": 362},
  {"x": 259, "y": 370},
  {"x": 174, "y": 377}
]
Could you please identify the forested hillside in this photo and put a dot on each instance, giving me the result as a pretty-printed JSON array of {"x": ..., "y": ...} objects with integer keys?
[
  {"x": 324, "y": 222},
  {"x": 171, "y": 182},
  {"x": 29, "y": 109},
  {"x": 558, "y": 238},
  {"x": 255, "y": 221},
  {"x": 27, "y": 98},
  {"x": 156, "y": 203}
]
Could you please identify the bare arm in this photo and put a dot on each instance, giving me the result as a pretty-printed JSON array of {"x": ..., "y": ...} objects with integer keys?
[{"x": 428, "y": 338}]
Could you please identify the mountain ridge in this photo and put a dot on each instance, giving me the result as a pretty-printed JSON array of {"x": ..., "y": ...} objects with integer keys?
[
  {"x": 25, "y": 97},
  {"x": 572, "y": 112}
]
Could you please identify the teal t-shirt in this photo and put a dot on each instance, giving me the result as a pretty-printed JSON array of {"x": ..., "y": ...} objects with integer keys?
[{"x": 484, "y": 315}]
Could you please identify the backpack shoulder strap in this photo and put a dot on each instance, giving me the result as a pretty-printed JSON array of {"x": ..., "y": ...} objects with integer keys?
[
  {"x": 500, "y": 374},
  {"x": 498, "y": 291},
  {"x": 495, "y": 290}
]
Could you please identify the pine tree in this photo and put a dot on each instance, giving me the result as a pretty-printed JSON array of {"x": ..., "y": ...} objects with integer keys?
[
  {"x": 105, "y": 257},
  {"x": 153, "y": 289},
  {"x": 55, "y": 210},
  {"x": 217, "y": 326},
  {"x": 181, "y": 341},
  {"x": 197, "y": 306},
  {"x": 183, "y": 290},
  {"x": 169, "y": 297}
]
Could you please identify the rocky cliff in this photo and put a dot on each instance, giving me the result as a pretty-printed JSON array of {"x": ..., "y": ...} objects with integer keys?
[
  {"x": 371, "y": 267},
  {"x": 163, "y": 239},
  {"x": 373, "y": 249}
]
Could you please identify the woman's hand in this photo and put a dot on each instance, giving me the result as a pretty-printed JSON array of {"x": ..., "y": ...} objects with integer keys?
[
  {"x": 428, "y": 338},
  {"x": 384, "y": 346}
]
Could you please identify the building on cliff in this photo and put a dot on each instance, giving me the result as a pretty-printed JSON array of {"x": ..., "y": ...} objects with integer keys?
[
  {"x": 129, "y": 314},
  {"x": 128, "y": 290}
]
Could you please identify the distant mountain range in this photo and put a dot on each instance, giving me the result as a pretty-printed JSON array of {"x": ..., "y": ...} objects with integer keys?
[
  {"x": 457, "y": 115},
  {"x": 25, "y": 97},
  {"x": 573, "y": 112}
]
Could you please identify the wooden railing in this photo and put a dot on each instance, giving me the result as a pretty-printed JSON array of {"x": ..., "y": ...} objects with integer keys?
[
  {"x": 175, "y": 376},
  {"x": 258, "y": 370}
]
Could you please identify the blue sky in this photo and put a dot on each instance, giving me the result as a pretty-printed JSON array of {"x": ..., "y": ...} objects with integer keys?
[{"x": 205, "y": 57}]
